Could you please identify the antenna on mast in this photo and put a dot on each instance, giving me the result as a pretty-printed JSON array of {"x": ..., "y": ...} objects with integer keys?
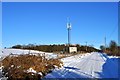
[
  {"x": 70, "y": 49},
  {"x": 68, "y": 23},
  {"x": 68, "y": 28}
]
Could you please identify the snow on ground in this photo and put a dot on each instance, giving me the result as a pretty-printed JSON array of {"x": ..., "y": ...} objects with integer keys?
[
  {"x": 90, "y": 65},
  {"x": 31, "y": 70},
  {"x": 5, "y": 52}
]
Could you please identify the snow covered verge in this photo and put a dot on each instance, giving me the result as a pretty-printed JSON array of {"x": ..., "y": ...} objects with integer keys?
[
  {"x": 26, "y": 64},
  {"x": 6, "y": 52},
  {"x": 90, "y": 65}
]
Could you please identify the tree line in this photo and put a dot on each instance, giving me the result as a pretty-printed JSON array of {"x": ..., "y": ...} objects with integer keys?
[
  {"x": 55, "y": 47},
  {"x": 112, "y": 49}
]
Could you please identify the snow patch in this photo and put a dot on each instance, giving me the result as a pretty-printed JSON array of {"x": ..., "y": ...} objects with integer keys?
[
  {"x": 40, "y": 73},
  {"x": 31, "y": 70}
]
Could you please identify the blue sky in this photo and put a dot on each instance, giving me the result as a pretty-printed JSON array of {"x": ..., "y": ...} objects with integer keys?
[{"x": 45, "y": 23}]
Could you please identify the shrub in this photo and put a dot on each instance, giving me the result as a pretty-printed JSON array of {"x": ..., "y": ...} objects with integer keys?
[{"x": 15, "y": 67}]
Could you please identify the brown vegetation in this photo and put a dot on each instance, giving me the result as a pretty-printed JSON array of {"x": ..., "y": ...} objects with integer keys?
[
  {"x": 113, "y": 49},
  {"x": 15, "y": 67}
]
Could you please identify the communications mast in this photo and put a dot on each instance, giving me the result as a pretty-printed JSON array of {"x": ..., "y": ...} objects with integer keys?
[
  {"x": 70, "y": 49},
  {"x": 68, "y": 28}
]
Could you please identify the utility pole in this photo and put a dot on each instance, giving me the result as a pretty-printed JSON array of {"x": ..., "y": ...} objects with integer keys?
[
  {"x": 86, "y": 46},
  {"x": 105, "y": 42}
]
